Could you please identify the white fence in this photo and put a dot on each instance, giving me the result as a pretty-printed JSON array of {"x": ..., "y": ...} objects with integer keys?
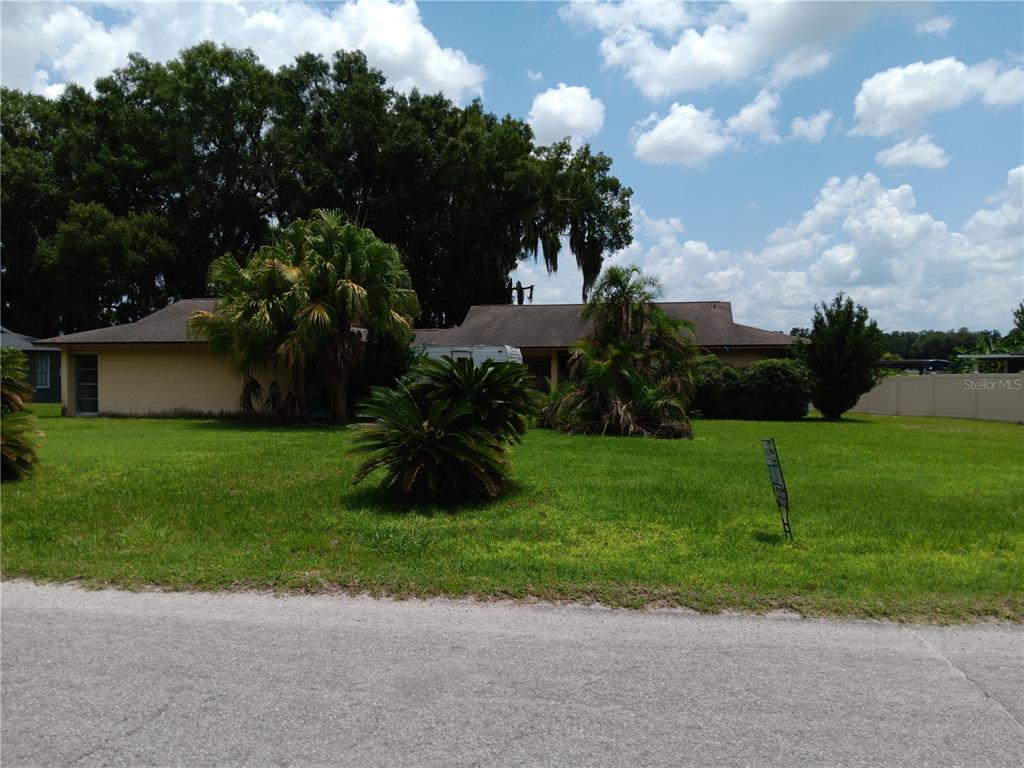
[{"x": 989, "y": 397}]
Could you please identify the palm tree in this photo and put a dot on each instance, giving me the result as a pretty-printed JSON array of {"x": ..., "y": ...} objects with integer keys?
[
  {"x": 307, "y": 302},
  {"x": 247, "y": 326},
  {"x": 631, "y": 375}
]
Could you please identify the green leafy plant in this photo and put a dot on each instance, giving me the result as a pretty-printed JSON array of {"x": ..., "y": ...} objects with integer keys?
[
  {"x": 305, "y": 304},
  {"x": 631, "y": 375},
  {"x": 775, "y": 389},
  {"x": 19, "y": 450},
  {"x": 717, "y": 388},
  {"x": 499, "y": 395},
  {"x": 843, "y": 353},
  {"x": 442, "y": 434}
]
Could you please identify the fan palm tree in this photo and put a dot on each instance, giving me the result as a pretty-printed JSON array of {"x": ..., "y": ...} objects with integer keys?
[
  {"x": 248, "y": 324},
  {"x": 307, "y": 302}
]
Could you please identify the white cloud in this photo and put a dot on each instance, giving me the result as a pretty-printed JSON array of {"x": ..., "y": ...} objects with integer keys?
[
  {"x": 46, "y": 44},
  {"x": 802, "y": 62},
  {"x": 691, "y": 137},
  {"x": 666, "y": 17},
  {"x": 920, "y": 152},
  {"x": 668, "y": 48},
  {"x": 937, "y": 25},
  {"x": 686, "y": 136},
  {"x": 901, "y": 98},
  {"x": 811, "y": 128},
  {"x": 1002, "y": 229},
  {"x": 910, "y": 269},
  {"x": 568, "y": 110},
  {"x": 534, "y": 75},
  {"x": 757, "y": 117}
]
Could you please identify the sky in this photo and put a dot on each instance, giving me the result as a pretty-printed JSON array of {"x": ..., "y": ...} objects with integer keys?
[{"x": 778, "y": 153}]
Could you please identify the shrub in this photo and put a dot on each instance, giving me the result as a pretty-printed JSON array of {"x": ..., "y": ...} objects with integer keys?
[
  {"x": 778, "y": 388},
  {"x": 843, "y": 355},
  {"x": 500, "y": 396},
  {"x": 443, "y": 433},
  {"x": 18, "y": 427},
  {"x": 631, "y": 375},
  {"x": 426, "y": 453},
  {"x": 716, "y": 388},
  {"x": 775, "y": 389}
]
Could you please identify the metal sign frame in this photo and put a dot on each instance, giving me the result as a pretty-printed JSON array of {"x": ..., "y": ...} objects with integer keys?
[{"x": 771, "y": 455}]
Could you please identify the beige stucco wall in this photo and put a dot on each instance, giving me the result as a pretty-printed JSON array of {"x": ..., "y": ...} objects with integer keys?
[
  {"x": 990, "y": 397},
  {"x": 159, "y": 380}
]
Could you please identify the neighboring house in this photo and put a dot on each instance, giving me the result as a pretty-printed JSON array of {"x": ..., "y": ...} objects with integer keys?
[
  {"x": 147, "y": 368},
  {"x": 43, "y": 365},
  {"x": 546, "y": 332},
  {"x": 154, "y": 367}
]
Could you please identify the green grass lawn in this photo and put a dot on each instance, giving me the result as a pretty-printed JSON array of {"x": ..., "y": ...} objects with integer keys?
[{"x": 897, "y": 517}]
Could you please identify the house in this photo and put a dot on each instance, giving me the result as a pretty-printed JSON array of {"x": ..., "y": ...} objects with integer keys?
[
  {"x": 154, "y": 367},
  {"x": 43, "y": 364},
  {"x": 546, "y": 332},
  {"x": 149, "y": 367}
]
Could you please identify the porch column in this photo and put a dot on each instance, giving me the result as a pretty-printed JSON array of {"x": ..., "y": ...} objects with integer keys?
[
  {"x": 67, "y": 381},
  {"x": 554, "y": 369}
]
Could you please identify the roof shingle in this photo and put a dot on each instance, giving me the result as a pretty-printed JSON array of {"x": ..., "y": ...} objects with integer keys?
[
  {"x": 9, "y": 338},
  {"x": 165, "y": 326},
  {"x": 560, "y": 326}
]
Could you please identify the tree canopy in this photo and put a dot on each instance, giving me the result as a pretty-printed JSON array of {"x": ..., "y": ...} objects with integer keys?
[
  {"x": 303, "y": 304},
  {"x": 843, "y": 353},
  {"x": 168, "y": 166}
]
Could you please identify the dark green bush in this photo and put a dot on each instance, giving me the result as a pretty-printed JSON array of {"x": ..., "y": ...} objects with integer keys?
[
  {"x": 775, "y": 389},
  {"x": 18, "y": 427},
  {"x": 443, "y": 433},
  {"x": 767, "y": 389},
  {"x": 716, "y": 388},
  {"x": 842, "y": 356}
]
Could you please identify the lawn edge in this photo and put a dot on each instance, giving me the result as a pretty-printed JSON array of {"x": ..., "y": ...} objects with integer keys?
[{"x": 796, "y": 608}]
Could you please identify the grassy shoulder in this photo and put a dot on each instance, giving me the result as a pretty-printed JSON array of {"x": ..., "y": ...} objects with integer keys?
[{"x": 916, "y": 519}]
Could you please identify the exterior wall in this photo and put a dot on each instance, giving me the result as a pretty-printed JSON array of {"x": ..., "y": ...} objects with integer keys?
[
  {"x": 50, "y": 394},
  {"x": 549, "y": 367},
  {"x": 159, "y": 380},
  {"x": 989, "y": 397},
  {"x": 744, "y": 356}
]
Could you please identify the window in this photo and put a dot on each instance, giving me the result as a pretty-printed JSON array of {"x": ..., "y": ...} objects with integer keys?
[
  {"x": 41, "y": 372},
  {"x": 87, "y": 384}
]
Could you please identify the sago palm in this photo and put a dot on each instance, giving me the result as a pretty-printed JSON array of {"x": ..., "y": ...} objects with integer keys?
[
  {"x": 19, "y": 451},
  {"x": 428, "y": 451}
]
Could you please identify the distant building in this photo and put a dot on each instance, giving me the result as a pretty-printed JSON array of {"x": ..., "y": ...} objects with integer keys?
[
  {"x": 546, "y": 332},
  {"x": 149, "y": 367},
  {"x": 43, "y": 364},
  {"x": 154, "y": 367}
]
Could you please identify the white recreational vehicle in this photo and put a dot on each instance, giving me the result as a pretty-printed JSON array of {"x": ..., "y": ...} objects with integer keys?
[{"x": 500, "y": 354}]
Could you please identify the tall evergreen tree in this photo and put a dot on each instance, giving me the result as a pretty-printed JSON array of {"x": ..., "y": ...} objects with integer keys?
[{"x": 843, "y": 353}]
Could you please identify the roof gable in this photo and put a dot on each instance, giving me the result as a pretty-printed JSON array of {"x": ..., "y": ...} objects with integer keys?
[{"x": 165, "y": 326}]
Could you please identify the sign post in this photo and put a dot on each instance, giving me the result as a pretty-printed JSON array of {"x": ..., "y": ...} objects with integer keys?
[{"x": 778, "y": 483}]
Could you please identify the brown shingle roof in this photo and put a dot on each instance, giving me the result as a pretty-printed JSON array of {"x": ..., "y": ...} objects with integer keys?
[
  {"x": 560, "y": 326},
  {"x": 165, "y": 326}
]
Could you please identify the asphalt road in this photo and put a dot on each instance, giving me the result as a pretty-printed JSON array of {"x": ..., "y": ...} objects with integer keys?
[{"x": 114, "y": 678}]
